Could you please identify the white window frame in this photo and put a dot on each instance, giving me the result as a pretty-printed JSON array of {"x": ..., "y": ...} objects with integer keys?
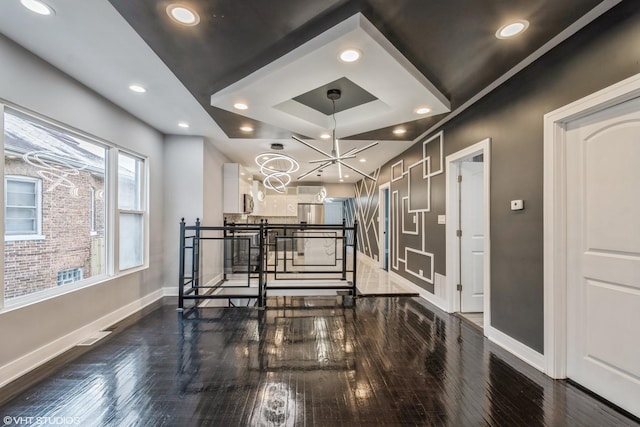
[
  {"x": 143, "y": 211},
  {"x": 37, "y": 235},
  {"x": 92, "y": 212},
  {"x": 111, "y": 212}
]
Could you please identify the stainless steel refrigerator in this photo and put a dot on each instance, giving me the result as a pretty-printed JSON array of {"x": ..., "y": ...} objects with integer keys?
[{"x": 310, "y": 213}]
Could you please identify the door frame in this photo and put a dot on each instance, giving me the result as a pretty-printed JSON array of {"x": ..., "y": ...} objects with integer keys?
[
  {"x": 554, "y": 215},
  {"x": 382, "y": 208},
  {"x": 453, "y": 304}
]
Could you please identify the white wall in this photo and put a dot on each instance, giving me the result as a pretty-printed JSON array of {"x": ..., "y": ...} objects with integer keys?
[
  {"x": 183, "y": 186},
  {"x": 333, "y": 213},
  {"x": 340, "y": 190},
  {"x": 213, "y": 208},
  {"x": 193, "y": 188},
  {"x": 33, "y": 333}
]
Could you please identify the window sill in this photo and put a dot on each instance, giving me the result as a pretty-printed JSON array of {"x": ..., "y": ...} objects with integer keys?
[
  {"x": 14, "y": 238},
  {"x": 42, "y": 296}
]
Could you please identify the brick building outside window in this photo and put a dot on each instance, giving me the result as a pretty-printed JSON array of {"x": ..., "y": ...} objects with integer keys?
[{"x": 54, "y": 207}]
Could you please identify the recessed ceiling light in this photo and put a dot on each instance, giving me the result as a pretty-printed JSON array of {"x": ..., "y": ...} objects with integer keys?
[
  {"x": 423, "y": 110},
  {"x": 38, "y": 7},
  {"x": 346, "y": 176},
  {"x": 240, "y": 106},
  {"x": 350, "y": 55},
  {"x": 246, "y": 129},
  {"x": 183, "y": 15},
  {"x": 512, "y": 29},
  {"x": 325, "y": 136},
  {"x": 363, "y": 160},
  {"x": 399, "y": 131},
  {"x": 342, "y": 180},
  {"x": 183, "y": 125},
  {"x": 137, "y": 88}
]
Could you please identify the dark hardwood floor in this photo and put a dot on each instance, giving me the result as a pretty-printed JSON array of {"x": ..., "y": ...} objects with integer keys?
[{"x": 303, "y": 361}]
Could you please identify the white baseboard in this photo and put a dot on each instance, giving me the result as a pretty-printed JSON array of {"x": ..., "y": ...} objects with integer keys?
[
  {"x": 515, "y": 347},
  {"x": 215, "y": 280},
  {"x": 367, "y": 259},
  {"x": 172, "y": 290},
  {"x": 510, "y": 344},
  {"x": 30, "y": 361},
  {"x": 433, "y": 299}
]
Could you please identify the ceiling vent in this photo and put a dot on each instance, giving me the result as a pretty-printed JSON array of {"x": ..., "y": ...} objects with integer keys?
[{"x": 277, "y": 146}]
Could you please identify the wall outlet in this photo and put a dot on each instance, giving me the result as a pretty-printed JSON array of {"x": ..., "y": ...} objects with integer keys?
[
  {"x": 517, "y": 205},
  {"x": 442, "y": 219}
]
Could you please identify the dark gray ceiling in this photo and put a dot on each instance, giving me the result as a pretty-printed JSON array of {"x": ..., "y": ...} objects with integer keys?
[
  {"x": 451, "y": 42},
  {"x": 351, "y": 96}
]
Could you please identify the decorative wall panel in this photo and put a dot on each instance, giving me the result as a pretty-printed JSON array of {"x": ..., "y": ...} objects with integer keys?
[
  {"x": 366, "y": 212},
  {"x": 409, "y": 207}
]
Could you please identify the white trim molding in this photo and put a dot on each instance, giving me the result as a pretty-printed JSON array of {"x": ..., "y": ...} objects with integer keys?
[
  {"x": 384, "y": 206},
  {"x": 18, "y": 367},
  {"x": 515, "y": 347},
  {"x": 555, "y": 205},
  {"x": 432, "y": 298},
  {"x": 367, "y": 259},
  {"x": 452, "y": 303}
]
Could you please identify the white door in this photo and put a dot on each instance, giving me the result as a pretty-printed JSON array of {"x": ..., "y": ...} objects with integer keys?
[
  {"x": 472, "y": 239},
  {"x": 603, "y": 253},
  {"x": 383, "y": 226}
]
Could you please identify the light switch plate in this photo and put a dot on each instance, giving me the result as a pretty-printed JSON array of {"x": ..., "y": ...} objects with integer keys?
[
  {"x": 441, "y": 219},
  {"x": 517, "y": 205}
]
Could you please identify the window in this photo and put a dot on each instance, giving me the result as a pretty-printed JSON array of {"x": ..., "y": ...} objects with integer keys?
[
  {"x": 131, "y": 211},
  {"x": 69, "y": 276},
  {"x": 21, "y": 206},
  {"x": 57, "y": 208},
  {"x": 53, "y": 178}
]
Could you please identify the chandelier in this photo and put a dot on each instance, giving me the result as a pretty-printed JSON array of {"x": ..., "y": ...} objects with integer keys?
[
  {"x": 334, "y": 158},
  {"x": 277, "y": 169}
]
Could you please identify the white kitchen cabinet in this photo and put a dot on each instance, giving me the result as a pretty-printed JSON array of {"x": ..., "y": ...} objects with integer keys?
[
  {"x": 237, "y": 185},
  {"x": 281, "y": 205}
]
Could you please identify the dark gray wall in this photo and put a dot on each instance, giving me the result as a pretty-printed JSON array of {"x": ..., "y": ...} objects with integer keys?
[{"x": 603, "y": 53}]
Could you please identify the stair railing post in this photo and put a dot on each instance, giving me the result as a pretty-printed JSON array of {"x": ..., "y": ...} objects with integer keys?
[
  {"x": 344, "y": 249},
  {"x": 196, "y": 259},
  {"x": 181, "y": 268},
  {"x": 355, "y": 254},
  {"x": 224, "y": 250},
  {"x": 261, "y": 258}
]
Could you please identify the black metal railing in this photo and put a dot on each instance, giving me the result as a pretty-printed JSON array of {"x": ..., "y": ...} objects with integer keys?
[{"x": 308, "y": 256}]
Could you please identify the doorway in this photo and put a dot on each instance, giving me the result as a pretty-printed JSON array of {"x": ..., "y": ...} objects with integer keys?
[
  {"x": 467, "y": 241},
  {"x": 383, "y": 226},
  {"x": 592, "y": 243}
]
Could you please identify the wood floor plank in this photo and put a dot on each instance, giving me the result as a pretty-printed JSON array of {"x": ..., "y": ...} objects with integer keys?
[{"x": 304, "y": 361}]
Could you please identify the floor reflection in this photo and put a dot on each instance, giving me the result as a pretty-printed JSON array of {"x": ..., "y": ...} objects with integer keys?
[
  {"x": 306, "y": 361},
  {"x": 512, "y": 394}
]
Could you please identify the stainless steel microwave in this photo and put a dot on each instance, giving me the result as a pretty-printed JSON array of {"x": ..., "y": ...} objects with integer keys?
[{"x": 247, "y": 203}]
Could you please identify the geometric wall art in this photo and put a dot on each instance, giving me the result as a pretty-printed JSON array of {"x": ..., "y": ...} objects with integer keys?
[
  {"x": 411, "y": 199},
  {"x": 366, "y": 212},
  {"x": 409, "y": 204}
]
